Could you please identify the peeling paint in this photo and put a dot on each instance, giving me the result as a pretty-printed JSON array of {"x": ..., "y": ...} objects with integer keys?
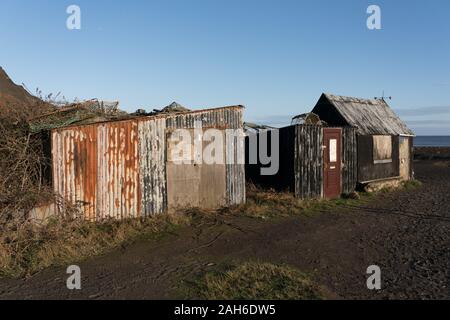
[{"x": 118, "y": 169}]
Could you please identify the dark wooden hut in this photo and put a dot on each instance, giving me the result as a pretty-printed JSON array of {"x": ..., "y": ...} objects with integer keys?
[
  {"x": 384, "y": 142},
  {"x": 315, "y": 161}
]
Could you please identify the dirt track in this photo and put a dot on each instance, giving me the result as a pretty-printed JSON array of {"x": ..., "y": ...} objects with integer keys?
[{"x": 405, "y": 233}]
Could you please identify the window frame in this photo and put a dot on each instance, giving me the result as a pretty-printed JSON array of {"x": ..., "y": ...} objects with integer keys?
[{"x": 389, "y": 158}]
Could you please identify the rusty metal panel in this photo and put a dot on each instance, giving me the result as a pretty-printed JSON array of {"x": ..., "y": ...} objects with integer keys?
[
  {"x": 97, "y": 167},
  {"x": 118, "y": 192},
  {"x": 75, "y": 168},
  {"x": 152, "y": 153}
]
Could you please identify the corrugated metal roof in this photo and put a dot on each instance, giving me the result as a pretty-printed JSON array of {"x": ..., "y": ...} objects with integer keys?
[
  {"x": 161, "y": 115},
  {"x": 370, "y": 116}
]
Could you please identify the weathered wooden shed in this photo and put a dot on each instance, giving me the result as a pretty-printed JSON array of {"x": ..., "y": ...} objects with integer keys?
[
  {"x": 123, "y": 169},
  {"x": 384, "y": 142},
  {"x": 315, "y": 161}
]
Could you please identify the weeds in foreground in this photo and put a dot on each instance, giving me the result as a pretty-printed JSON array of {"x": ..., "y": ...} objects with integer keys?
[
  {"x": 254, "y": 281},
  {"x": 411, "y": 185},
  {"x": 26, "y": 248},
  {"x": 404, "y": 185},
  {"x": 270, "y": 204}
]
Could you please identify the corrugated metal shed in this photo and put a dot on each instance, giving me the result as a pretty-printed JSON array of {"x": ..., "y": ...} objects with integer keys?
[
  {"x": 118, "y": 169},
  {"x": 369, "y": 116}
]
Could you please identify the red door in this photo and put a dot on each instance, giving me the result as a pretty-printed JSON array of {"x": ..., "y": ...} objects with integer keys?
[{"x": 332, "y": 139}]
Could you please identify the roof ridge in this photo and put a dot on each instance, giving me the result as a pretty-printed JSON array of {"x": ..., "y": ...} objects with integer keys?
[
  {"x": 371, "y": 116},
  {"x": 331, "y": 96}
]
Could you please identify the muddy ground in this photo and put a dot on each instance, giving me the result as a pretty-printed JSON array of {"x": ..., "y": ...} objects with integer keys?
[{"x": 405, "y": 233}]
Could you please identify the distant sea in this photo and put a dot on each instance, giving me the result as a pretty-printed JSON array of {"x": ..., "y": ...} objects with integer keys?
[{"x": 432, "y": 141}]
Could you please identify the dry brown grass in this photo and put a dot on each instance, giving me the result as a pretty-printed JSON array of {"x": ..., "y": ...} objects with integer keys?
[
  {"x": 442, "y": 164},
  {"x": 26, "y": 248},
  {"x": 266, "y": 204}
]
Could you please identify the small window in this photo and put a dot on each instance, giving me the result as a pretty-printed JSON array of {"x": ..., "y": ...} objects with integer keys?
[
  {"x": 333, "y": 150},
  {"x": 382, "y": 149}
]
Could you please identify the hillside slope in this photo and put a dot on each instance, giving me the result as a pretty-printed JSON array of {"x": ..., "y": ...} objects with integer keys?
[{"x": 14, "y": 99}]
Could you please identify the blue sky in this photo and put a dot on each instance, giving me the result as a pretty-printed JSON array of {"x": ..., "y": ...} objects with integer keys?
[{"x": 274, "y": 57}]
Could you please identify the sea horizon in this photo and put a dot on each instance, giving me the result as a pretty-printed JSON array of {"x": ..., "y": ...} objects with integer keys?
[{"x": 432, "y": 141}]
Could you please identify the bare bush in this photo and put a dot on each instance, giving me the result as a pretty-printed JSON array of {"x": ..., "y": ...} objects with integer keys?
[{"x": 23, "y": 180}]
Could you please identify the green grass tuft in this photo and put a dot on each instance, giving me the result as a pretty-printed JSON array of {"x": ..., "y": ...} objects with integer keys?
[
  {"x": 411, "y": 184},
  {"x": 255, "y": 281}
]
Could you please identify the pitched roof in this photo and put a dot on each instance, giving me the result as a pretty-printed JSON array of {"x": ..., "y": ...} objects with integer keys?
[{"x": 370, "y": 116}]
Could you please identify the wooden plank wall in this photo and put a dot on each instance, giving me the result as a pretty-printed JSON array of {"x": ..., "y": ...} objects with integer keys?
[
  {"x": 367, "y": 169},
  {"x": 349, "y": 159},
  {"x": 308, "y": 161}
]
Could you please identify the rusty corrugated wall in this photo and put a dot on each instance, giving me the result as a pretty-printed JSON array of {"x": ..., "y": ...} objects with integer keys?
[
  {"x": 75, "y": 167},
  {"x": 97, "y": 168},
  {"x": 118, "y": 169},
  {"x": 118, "y": 191}
]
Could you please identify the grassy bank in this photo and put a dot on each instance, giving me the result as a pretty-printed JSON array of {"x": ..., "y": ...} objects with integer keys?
[{"x": 26, "y": 248}]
